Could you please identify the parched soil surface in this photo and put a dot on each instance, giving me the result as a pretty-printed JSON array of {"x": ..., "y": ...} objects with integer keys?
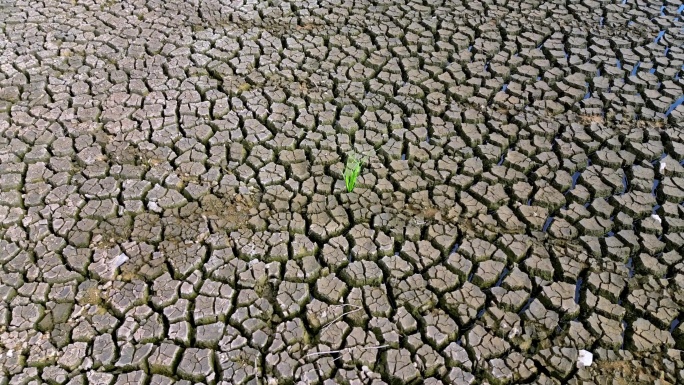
[{"x": 173, "y": 208}]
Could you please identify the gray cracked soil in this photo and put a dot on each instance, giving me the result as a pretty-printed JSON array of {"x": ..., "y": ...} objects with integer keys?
[{"x": 521, "y": 200}]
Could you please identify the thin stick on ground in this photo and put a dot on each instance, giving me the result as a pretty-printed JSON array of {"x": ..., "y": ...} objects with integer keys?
[
  {"x": 340, "y": 317},
  {"x": 346, "y": 349},
  {"x": 256, "y": 369}
]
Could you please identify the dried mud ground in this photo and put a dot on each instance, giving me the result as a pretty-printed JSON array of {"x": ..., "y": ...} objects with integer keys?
[{"x": 172, "y": 207}]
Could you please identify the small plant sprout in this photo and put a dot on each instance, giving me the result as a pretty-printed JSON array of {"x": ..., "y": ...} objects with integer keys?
[{"x": 352, "y": 170}]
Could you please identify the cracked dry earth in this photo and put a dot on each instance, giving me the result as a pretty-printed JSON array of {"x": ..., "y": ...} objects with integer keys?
[{"x": 172, "y": 207}]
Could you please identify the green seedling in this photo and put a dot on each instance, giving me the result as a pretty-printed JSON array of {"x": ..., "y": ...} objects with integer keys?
[{"x": 352, "y": 170}]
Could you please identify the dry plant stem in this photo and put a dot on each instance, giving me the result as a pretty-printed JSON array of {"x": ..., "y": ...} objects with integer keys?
[
  {"x": 339, "y": 318},
  {"x": 346, "y": 349}
]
